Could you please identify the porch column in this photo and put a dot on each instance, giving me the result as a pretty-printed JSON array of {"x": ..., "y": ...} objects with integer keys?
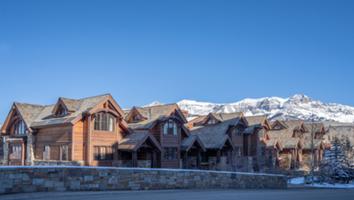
[
  {"x": 231, "y": 160},
  {"x": 185, "y": 158},
  {"x": 198, "y": 159},
  {"x": 134, "y": 159},
  {"x": 218, "y": 156},
  {"x": 116, "y": 156},
  {"x": 154, "y": 159}
]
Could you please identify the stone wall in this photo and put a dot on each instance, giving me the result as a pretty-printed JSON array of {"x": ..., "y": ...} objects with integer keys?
[
  {"x": 56, "y": 163},
  {"x": 40, "y": 179}
]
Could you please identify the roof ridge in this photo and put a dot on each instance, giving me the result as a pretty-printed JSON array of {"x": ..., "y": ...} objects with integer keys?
[
  {"x": 30, "y": 104},
  {"x": 90, "y": 97},
  {"x": 169, "y": 104}
]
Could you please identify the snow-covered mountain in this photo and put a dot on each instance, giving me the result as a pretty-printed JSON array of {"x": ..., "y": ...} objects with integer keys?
[{"x": 296, "y": 107}]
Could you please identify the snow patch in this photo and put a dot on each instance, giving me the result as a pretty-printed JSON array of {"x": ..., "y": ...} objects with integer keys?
[
  {"x": 301, "y": 181},
  {"x": 297, "y": 181}
]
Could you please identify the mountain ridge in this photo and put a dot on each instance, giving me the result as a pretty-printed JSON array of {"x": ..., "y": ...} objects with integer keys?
[{"x": 298, "y": 106}]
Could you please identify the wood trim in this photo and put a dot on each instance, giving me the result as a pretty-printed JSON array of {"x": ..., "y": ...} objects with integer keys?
[{"x": 88, "y": 142}]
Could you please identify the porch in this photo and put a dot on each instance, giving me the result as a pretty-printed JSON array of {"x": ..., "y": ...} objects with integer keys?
[{"x": 139, "y": 149}]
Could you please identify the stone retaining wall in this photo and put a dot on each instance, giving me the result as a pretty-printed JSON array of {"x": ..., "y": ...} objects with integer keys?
[{"x": 41, "y": 179}]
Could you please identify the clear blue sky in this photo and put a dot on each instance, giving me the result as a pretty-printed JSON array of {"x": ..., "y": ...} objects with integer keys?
[{"x": 141, "y": 51}]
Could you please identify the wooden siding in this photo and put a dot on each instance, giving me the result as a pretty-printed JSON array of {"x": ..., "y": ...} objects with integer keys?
[
  {"x": 79, "y": 142},
  {"x": 54, "y": 137}
]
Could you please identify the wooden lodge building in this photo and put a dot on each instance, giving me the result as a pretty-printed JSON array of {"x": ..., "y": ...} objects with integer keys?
[
  {"x": 95, "y": 131},
  {"x": 292, "y": 144}
]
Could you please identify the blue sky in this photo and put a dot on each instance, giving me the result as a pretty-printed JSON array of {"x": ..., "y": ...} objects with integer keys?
[{"x": 141, "y": 51}]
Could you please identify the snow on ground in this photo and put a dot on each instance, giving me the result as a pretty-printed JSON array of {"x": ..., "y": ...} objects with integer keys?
[
  {"x": 297, "y": 181},
  {"x": 301, "y": 181},
  {"x": 334, "y": 186}
]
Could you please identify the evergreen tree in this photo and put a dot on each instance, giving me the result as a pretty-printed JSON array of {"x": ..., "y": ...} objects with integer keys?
[{"x": 335, "y": 166}]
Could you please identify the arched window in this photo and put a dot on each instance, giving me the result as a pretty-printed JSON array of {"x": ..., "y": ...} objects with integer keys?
[
  {"x": 170, "y": 128},
  {"x": 20, "y": 128},
  {"x": 104, "y": 121}
]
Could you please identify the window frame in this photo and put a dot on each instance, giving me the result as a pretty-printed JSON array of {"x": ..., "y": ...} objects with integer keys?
[
  {"x": 16, "y": 152},
  {"x": 104, "y": 121},
  {"x": 103, "y": 153},
  {"x": 64, "y": 153},
  {"x": 170, "y": 127},
  {"x": 170, "y": 153},
  {"x": 19, "y": 128},
  {"x": 46, "y": 152}
]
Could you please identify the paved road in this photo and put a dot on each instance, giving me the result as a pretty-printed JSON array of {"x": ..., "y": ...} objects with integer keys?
[{"x": 291, "y": 194}]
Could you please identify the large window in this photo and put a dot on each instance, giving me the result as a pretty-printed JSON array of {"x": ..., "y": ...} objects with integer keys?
[
  {"x": 103, "y": 153},
  {"x": 64, "y": 152},
  {"x": 46, "y": 152},
  {"x": 170, "y": 128},
  {"x": 104, "y": 122},
  {"x": 170, "y": 153},
  {"x": 20, "y": 128},
  {"x": 16, "y": 152}
]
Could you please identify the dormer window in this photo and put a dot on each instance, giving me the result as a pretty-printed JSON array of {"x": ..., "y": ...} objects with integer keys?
[
  {"x": 104, "y": 122},
  {"x": 170, "y": 128},
  {"x": 20, "y": 128},
  {"x": 211, "y": 121},
  {"x": 61, "y": 111},
  {"x": 136, "y": 118}
]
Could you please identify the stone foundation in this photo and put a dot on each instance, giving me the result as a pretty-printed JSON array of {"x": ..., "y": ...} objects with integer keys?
[{"x": 42, "y": 179}]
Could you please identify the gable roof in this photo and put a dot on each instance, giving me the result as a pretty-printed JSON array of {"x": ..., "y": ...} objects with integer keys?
[
  {"x": 188, "y": 143},
  {"x": 220, "y": 117},
  {"x": 273, "y": 143},
  {"x": 291, "y": 143},
  {"x": 284, "y": 137},
  {"x": 280, "y": 134},
  {"x": 294, "y": 124},
  {"x": 36, "y": 116},
  {"x": 153, "y": 114},
  {"x": 227, "y": 116},
  {"x": 316, "y": 126},
  {"x": 29, "y": 112},
  {"x": 133, "y": 141},
  {"x": 215, "y": 136},
  {"x": 71, "y": 105},
  {"x": 256, "y": 120},
  {"x": 317, "y": 144},
  {"x": 278, "y": 122}
]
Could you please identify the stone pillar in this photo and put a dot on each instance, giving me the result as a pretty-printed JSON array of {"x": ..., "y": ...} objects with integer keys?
[
  {"x": 6, "y": 151},
  {"x": 29, "y": 150}
]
